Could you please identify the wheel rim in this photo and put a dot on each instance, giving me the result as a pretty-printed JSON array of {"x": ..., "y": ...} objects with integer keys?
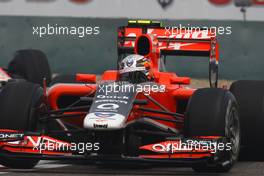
[{"x": 233, "y": 133}]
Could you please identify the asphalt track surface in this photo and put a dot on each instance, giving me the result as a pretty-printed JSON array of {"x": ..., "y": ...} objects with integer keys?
[
  {"x": 52, "y": 168},
  {"x": 251, "y": 164}
]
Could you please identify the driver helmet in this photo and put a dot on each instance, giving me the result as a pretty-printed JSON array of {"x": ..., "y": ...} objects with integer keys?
[{"x": 135, "y": 69}]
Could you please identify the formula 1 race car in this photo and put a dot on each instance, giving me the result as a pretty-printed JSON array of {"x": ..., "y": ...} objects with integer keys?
[{"x": 138, "y": 113}]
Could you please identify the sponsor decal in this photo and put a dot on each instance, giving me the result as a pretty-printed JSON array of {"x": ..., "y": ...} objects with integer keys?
[
  {"x": 111, "y": 101},
  {"x": 104, "y": 114},
  {"x": 119, "y": 103},
  {"x": 11, "y": 135},
  {"x": 112, "y": 97},
  {"x": 170, "y": 147},
  {"x": 181, "y": 33},
  {"x": 103, "y": 126},
  {"x": 108, "y": 106},
  {"x": 45, "y": 143},
  {"x": 176, "y": 46},
  {"x": 102, "y": 120},
  {"x": 37, "y": 141},
  {"x": 129, "y": 62}
]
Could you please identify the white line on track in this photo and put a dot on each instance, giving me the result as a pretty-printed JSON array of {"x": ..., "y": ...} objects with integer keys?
[
  {"x": 50, "y": 165},
  {"x": 2, "y": 168}
]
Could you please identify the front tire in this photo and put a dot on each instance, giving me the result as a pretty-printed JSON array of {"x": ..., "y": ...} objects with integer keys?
[
  {"x": 214, "y": 112},
  {"x": 18, "y": 104}
]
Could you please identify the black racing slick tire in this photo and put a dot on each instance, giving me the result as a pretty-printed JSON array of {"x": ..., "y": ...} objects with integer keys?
[
  {"x": 214, "y": 112},
  {"x": 250, "y": 99},
  {"x": 18, "y": 111},
  {"x": 31, "y": 65}
]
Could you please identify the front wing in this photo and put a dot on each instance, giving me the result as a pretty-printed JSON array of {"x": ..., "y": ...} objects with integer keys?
[{"x": 175, "y": 151}]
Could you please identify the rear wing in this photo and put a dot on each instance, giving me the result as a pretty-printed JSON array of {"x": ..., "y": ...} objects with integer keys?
[
  {"x": 168, "y": 41},
  {"x": 171, "y": 40}
]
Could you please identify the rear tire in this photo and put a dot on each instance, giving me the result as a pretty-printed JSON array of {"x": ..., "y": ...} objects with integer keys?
[
  {"x": 250, "y": 99},
  {"x": 32, "y": 65},
  {"x": 18, "y": 103},
  {"x": 213, "y": 112}
]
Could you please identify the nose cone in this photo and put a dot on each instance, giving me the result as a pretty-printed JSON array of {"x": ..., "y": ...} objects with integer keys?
[{"x": 104, "y": 121}]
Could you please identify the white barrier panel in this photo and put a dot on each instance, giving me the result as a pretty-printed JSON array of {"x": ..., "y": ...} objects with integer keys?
[{"x": 178, "y": 9}]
